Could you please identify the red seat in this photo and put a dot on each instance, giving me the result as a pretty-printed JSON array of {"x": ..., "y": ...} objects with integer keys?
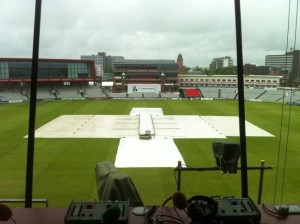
[{"x": 192, "y": 93}]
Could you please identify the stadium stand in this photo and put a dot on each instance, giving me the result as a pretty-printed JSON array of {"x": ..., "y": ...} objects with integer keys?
[
  {"x": 136, "y": 95},
  {"x": 95, "y": 91},
  {"x": 295, "y": 97},
  {"x": 271, "y": 95},
  {"x": 45, "y": 93},
  {"x": 70, "y": 92},
  {"x": 251, "y": 94},
  {"x": 151, "y": 95},
  {"x": 210, "y": 92},
  {"x": 292, "y": 97},
  {"x": 192, "y": 93},
  {"x": 169, "y": 95},
  {"x": 116, "y": 95},
  {"x": 19, "y": 94},
  {"x": 227, "y": 93},
  {"x": 13, "y": 94}
]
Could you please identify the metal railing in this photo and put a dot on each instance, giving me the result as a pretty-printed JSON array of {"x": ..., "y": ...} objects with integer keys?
[
  {"x": 41, "y": 201},
  {"x": 262, "y": 169}
]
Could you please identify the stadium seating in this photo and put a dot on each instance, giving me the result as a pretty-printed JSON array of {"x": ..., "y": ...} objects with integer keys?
[
  {"x": 272, "y": 95},
  {"x": 12, "y": 94},
  {"x": 169, "y": 95},
  {"x": 95, "y": 91},
  {"x": 210, "y": 92},
  {"x": 15, "y": 94},
  {"x": 192, "y": 93}
]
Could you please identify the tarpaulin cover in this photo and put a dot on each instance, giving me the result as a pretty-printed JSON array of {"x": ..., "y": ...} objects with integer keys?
[{"x": 112, "y": 184}]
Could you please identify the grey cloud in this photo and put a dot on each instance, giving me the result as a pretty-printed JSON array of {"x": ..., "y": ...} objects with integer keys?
[{"x": 142, "y": 29}]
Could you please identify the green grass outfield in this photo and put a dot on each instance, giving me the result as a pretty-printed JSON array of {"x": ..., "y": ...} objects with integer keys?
[{"x": 64, "y": 168}]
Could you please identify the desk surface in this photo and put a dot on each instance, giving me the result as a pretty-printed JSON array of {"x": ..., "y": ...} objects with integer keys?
[{"x": 56, "y": 216}]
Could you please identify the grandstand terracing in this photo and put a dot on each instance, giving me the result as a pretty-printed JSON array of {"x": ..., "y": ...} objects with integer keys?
[{"x": 96, "y": 92}]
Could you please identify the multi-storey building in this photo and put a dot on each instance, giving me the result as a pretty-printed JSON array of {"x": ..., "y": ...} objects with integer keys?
[
  {"x": 282, "y": 61},
  {"x": 56, "y": 78},
  {"x": 17, "y": 71},
  {"x": 252, "y": 69},
  {"x": 145, "y": 76},
  {"x": 102, "y": 62},
  {"x": 222, "y": 62},
  {"x": 289, "y": 63},
  {"x": 188, "y": 81}
]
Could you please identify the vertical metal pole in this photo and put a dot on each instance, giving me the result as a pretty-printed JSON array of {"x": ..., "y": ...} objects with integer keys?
[
  {"x": 239, "y": 50},
  {"x": 261, "y": 181},
  {"x": 179, "y": 176},
  {"x": 32, "y": 109}
]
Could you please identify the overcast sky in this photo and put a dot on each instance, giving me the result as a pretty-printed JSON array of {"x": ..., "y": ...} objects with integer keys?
[{"x": 148, "y": 29}]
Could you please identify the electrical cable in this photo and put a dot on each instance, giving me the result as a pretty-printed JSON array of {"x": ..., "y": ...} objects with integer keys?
[
  {"x": 175, "y": 177},
  {"x": 290, "y": 108},
  {"x": 147, "y": 214},
  {"x": 272, "y": 213},
  {"x": 179, "y": 217},
  {"x": 176, "y": 197},
  {"x": 163, "y": 204},
  {"x": 171, "y": 219},
  {"x": 14, "y": 221},
  {"x": 282, "y": 107}
]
